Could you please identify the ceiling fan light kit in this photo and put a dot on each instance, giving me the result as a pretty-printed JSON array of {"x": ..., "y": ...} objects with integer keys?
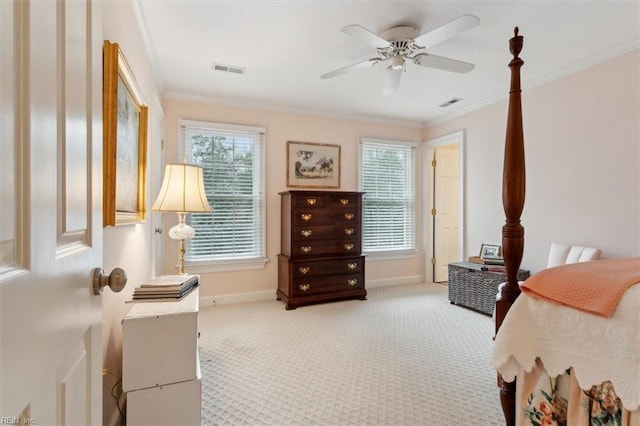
[
  {"x": 400, "y": 44},
  {"x": 397, "y": 62}
]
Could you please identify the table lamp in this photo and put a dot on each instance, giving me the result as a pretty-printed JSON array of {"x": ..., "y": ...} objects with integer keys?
[{"x": 182, "y": 192}]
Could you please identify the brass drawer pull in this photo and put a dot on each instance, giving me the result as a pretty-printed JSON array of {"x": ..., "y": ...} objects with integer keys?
[
  {"x": 305, "y": 249},
  {"x": 348, "y": 247},
  {"x": 352, "y": 265},
  {"x": 349, "y": 216},
  {"x": 305, "y": 287},
  {"x": 311, "y": 201},
  {"x": 304, "y": 270},
  {"x": 306, "y": 217},
  {"x": 306, "y": 232},
  {"x": 349, "y": 231},
  {"x": 344, "y": 201},
  {"x": 352, "y": 282}
]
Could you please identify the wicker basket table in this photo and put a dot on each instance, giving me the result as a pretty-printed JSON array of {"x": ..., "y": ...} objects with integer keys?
[{"x": 475, "y": 288}]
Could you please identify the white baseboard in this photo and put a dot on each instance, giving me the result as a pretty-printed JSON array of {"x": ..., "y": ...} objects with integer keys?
[
  {"x": 257, "y": 296},
  {"x": 227, "y": 299},
  {"x": 116, "y": 419},
  {"x": 386, "y": 282}
]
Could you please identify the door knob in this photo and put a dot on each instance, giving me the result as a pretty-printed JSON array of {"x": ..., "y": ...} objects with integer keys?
[{"x": 116, "y": 280}]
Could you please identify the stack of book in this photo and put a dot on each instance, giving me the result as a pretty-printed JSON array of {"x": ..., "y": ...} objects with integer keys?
[
  {"x": 165, "y": 288},
  {"x": 487, "y": 260}
]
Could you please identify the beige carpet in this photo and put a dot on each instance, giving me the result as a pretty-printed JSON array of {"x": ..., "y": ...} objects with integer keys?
[{"x": 405, "y": 356}]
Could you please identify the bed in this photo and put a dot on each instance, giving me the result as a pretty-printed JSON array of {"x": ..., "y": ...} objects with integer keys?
[{"x": 558, "y": 363}]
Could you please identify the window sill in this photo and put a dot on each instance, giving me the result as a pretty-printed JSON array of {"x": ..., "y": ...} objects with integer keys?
[
  {"x": 375, "y": 256},
  {"x": 224, "y": 265}
]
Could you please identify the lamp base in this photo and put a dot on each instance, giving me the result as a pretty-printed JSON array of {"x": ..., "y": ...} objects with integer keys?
[
  {"x": 181, "y": 232},
  {"x": 181, "y": 251}
]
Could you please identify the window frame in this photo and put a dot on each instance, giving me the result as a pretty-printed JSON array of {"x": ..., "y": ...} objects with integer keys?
[
  {"x": 229, "y": 264},
  {"x": 390, "y": 253}
]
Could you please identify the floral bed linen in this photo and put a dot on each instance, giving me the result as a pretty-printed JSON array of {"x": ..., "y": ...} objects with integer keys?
[
  {"x": 595, "y": 349},
  {"x": 546, "y": 401}
]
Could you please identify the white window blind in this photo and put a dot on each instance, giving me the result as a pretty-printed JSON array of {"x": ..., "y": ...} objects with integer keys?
[
  {"x": 387, "y": 178},
  {"x": 233, "y": 161}
]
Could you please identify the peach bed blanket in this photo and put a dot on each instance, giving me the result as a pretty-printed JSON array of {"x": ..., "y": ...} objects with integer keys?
[{"x": 595, "y": 287}]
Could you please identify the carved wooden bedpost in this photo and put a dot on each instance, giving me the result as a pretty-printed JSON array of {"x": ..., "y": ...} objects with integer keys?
[{"x": 513, "y": 193}]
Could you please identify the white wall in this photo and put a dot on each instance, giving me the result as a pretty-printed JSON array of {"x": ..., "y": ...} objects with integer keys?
[
  {"x": 582, "y": 149},
  {"x": 282, "y": 127},
  {"x": 127, "y": 246}
]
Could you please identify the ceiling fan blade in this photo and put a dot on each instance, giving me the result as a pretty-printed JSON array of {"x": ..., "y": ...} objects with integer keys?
[
  {"x": 446, "y": 64},
  {"x": 392, "y": 80},
  {"x": 352, "y": 67},
  {"x": 366, "y": 36},
  {"x": 446, "y": 31}
]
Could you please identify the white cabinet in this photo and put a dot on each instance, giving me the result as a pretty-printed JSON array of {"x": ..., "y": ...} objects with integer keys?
[
  {"x": 160, "y": 364},
  {"x": 171, "y": 405}
]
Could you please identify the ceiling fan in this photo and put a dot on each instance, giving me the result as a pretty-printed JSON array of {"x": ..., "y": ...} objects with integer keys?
[{"x": 401, "y": 44}]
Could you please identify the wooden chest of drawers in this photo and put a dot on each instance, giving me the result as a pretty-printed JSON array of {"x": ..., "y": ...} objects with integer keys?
[{"x": 321, "y": 247}]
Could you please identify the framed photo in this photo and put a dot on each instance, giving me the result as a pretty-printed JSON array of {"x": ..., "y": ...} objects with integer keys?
[
  {"x": 313, "y": 165},
  {"x": 488, "y": 251},
  {"x": 124, "y": 141}
]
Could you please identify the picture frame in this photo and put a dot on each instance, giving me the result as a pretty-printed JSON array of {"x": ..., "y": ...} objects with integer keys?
[
  {"x": 490, "y": 251},
  {"x": 313, "y": 165},
  {"x": 125, "y": 120}
]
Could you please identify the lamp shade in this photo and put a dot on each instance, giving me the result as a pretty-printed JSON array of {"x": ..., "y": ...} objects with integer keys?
[{"x": 182, "y": 190}]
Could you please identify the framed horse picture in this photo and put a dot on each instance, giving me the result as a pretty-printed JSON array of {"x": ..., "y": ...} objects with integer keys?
[{"x": 313, "y": 165}]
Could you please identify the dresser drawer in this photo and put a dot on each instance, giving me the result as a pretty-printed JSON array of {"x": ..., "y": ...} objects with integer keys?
[
  {"x": 317, "y": 232},
  {"x": 343, "y": 201},
  {"x": 330, "y": 200},
  {"x": 325, "y": 247},
  {"x": 310, "y": 201},
  {"x": 328, "y": 267},
  {"x": 310, "y": 286},
  {"x": 312, "y": 217}
]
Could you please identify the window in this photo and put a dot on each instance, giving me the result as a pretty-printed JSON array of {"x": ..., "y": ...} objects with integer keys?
[
  {"x": 233, "y": 234},
  {"x": 387, "y": 178}
]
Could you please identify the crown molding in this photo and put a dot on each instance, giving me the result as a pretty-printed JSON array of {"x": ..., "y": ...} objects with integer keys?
[{"x": 287, "y": 109}]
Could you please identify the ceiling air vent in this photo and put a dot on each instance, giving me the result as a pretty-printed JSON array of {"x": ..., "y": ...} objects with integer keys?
[
  {"x": 450, "y": 102},
  {"x": 228, "y": 68}
]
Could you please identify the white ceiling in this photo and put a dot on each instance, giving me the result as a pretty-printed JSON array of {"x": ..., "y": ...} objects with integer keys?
[{"x": 286, "y": 45}]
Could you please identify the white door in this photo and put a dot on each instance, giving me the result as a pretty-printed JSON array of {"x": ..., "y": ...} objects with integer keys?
[
  {"x": 445, "y": 214},
  {"x": 51, "y": 212}
]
